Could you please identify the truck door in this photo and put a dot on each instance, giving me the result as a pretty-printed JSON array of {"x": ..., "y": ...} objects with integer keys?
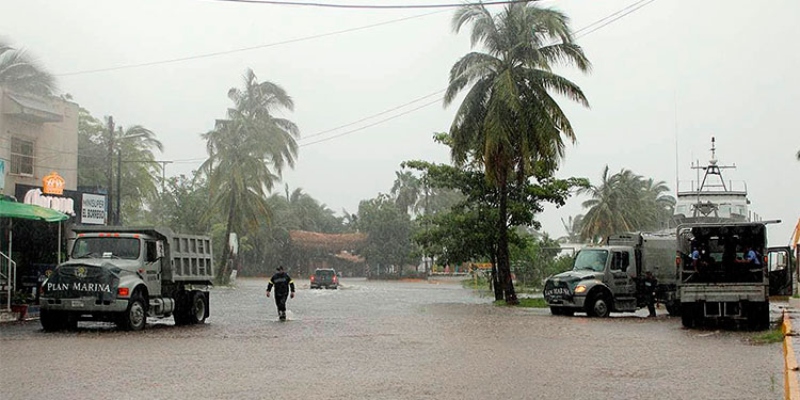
[
  {"x": 781, "y": 270},
  {"x": 621, "y": 283},
  {"x": 152, "y": 266}
]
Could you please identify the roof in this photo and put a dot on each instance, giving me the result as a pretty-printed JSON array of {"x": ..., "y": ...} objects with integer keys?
[{"x": 33, "y": 108}]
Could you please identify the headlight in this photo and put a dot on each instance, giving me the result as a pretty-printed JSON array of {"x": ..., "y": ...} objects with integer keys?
[{"x": 580, "y": 289}]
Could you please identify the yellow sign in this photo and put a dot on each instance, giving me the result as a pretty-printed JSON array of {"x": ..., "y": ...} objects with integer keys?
[{"x": 53, "y": 184}]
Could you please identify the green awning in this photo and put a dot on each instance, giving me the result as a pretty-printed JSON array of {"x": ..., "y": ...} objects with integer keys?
[{"x": 11, "y": 209}]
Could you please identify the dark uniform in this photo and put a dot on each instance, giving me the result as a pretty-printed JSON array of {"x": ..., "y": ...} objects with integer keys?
[
  {"x": 283, "y": 284},
  {"x": 650, "y": 284}
]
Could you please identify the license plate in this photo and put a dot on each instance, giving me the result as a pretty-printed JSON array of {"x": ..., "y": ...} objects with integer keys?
[
  {"x": 76, "y": 303},
  {"x": 557, "y": 292}
]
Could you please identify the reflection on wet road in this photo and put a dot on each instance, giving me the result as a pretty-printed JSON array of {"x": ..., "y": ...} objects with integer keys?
[{"x": 386, "y": 340}]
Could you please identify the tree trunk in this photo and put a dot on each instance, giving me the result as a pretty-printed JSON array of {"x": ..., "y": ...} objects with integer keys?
[
  {"x": 503, "y": 257},
  {"x": 497, "y": 287},
  {"x": 224, "y": 273}
]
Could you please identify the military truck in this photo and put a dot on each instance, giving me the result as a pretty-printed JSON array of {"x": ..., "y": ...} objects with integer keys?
[
  {"x": 609, "y": 278},
  {"x": 718, "y": 283},
  {"x": 126, "y": 274}
]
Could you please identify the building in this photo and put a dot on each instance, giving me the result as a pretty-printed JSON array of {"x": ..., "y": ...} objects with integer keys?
[{"x": 38, "y": 136}]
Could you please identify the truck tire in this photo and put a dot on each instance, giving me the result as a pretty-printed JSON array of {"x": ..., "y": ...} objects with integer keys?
[
  {"x": 556, "y": 311},
  {"x": 598, "y": 306},
  {"x": 758, "y": 316},
  {"x": 673, "y": 308},
  {"x": 135, "y": 317},
  {"x": 197, "y": 309},
  {"x": 687, "y": 316},
  {"x": 52, "y": 320}
]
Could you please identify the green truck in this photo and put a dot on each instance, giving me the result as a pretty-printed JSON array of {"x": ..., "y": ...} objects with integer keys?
[
  {"x": 127, "y": 274},
  {"x": 609, "y": 278}
]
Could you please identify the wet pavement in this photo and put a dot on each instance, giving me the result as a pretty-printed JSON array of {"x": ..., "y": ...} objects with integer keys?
[{"x": 387, "y": 340}]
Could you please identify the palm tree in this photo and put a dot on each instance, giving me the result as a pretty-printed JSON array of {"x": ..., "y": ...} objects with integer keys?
[
  {"x": 406, "y": 190},
  {"x": 508, "y": 121},
  {"x": 573, "y": 227},
  {"x": 247, "y": 154},
  {"x": 21, "y": 73},
  {"x": 607, "y": 211},
  {"x": 625, "y": 202},
  {"x": 139, "y": 169}
]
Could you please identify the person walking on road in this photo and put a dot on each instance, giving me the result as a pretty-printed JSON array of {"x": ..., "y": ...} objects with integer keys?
[{"x": 284, "y": 287}]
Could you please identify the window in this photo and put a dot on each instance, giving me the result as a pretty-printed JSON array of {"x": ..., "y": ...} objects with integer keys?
[{"x": 21, "y": 157}]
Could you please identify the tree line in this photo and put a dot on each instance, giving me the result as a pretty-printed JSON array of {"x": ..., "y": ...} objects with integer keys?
[{"x": 506, "y": 141}]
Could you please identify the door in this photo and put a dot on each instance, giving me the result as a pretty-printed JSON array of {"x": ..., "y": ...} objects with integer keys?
[
  {"x": 781, "y": 270},
  {"x": 152, "y": 267},
  {"x": 621, "y": 283}
]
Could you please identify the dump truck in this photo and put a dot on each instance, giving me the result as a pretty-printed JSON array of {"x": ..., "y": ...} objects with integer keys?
[
  {"x": 717, "y": 281},
  {"x": 609, "y": 278},
  {"x": 127, "y": 274}
]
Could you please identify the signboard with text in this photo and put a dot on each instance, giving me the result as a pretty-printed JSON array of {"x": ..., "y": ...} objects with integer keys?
[{"x": 93, "y": 209}]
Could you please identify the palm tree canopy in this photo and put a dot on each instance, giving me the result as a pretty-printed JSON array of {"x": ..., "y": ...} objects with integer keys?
[
  {"x": 20, "y": 73},
  {"x": 508, "y": 119}
]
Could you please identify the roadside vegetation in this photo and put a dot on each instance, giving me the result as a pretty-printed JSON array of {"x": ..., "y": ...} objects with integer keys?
[{"x": 771, "y": 336}]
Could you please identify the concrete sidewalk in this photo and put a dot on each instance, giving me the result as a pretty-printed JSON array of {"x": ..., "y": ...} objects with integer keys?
[{"x": 791, "y": 349}]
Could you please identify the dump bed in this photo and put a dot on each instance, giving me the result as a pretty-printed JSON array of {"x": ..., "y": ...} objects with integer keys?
[{"x": 190, "y": 257}]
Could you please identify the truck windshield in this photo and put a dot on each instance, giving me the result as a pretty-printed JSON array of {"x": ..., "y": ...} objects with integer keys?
[
  {"x": 591, "y": 259},
  {"x": 114, "y": 247}
]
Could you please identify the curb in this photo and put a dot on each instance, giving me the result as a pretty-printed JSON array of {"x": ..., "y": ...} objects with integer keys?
[{"x": 792, "y": 388}]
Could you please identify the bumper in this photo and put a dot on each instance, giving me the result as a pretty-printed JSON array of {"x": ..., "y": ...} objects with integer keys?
[
  {"x": 84, "y": 305},
  {"x": 575, "y": 302}
]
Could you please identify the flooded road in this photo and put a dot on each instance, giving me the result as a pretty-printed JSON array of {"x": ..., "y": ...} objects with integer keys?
[{"x": 386, "y": 340}]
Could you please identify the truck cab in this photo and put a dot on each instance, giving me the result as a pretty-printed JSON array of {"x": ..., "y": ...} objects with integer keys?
[
  {"x": 601, "y": 281},
  {"x": 610, "y": 277}
]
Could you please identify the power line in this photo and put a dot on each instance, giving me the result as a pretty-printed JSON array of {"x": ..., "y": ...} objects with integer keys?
[
  {"x": 374, "y": 6},
  {"x": 243, "y": 49},
  {"x": 372, "y": 124},
  {"x": 617, "y": 16},
  {"x": 373, "y": 115}
]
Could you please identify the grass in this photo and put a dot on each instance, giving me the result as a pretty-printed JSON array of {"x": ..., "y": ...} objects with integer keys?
[
  {"x": 771, "y": 336},
  {"x": 524, "y": 302}
]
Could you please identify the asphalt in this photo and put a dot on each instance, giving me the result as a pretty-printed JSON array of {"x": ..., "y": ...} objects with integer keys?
[{"x": 790, "y": 310}]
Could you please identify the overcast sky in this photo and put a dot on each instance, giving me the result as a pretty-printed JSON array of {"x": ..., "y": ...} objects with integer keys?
[{"x": 666, "y": 78}]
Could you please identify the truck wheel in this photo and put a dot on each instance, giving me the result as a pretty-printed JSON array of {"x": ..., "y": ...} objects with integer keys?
[
  {"x": 556, "y": 311},
  {"x": 52, "y": 320},
  {"x": 135, "y": 317},
  {"x": 758, "y": 316},
  {"x": 673, "y": 308},
  {"x": 688, "y": 317},
  {"x": 197, "y": 311},
  {"x": 598, "y": 306}
]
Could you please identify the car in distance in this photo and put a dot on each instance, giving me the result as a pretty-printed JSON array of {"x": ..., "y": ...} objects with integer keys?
[{"x": 325, "y": 278}]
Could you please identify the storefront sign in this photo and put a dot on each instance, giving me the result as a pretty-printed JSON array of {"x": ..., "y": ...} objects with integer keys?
[
  {"x": 93, "y": 209},
  {"x": 63, "y": 204},
  {"x": 53, "y": 184}
]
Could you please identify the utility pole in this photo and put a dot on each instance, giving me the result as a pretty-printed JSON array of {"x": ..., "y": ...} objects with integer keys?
[
  {"x": 163, "y": 174},
  {"x": 110, "y": 168},
  {"x": 119, "y": 186}
]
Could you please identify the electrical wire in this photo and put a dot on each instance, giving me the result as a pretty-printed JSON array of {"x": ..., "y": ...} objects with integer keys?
[
  {"x": 374, "y": 6},
  {"x": 243, "y": 49}
]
